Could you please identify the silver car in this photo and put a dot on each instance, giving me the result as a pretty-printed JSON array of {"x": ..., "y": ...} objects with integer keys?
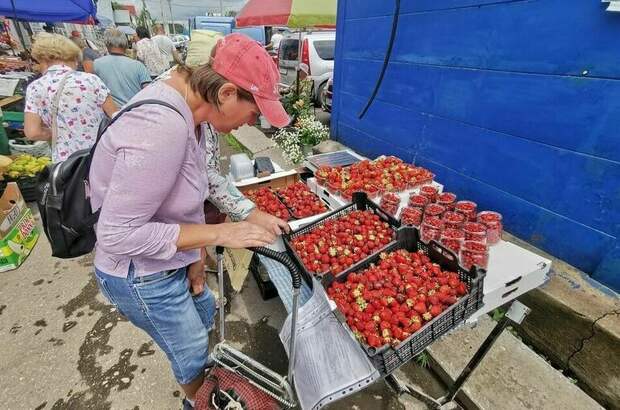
[{"x": 317, "y": 52}]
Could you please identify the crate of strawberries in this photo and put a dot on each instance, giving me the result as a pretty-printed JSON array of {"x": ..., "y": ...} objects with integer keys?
[
  {"x": 398, "y": 302},
  {"x": 341, "y": 240},
  {"x": 300, "y": 201},
  {"x": 384, "y": 174},
  {"x": 294, "y": 201},
  {"x": 267, "y": 201}
]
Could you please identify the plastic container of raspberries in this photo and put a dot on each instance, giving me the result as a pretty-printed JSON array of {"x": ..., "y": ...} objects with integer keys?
[
  {"x": 453, "y": 219},
  {"x": 493, "y": 222},
  {"x": 452, "y": 239},
  {"x": 467, "y": 208},
  {"x": 474, "y": 254},
  {"x": 429, "y": 191},
  {"x": 447, "y": 200},
  {"x": 475, "y": 231}
]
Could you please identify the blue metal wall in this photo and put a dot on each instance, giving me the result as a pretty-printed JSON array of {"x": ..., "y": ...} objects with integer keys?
[{"x": 514, "y": 104}]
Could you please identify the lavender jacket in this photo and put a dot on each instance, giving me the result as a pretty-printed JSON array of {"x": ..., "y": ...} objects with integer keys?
[{"x": 148, "y": 176}]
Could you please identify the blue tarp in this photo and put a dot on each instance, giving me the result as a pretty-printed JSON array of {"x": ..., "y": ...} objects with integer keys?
[{"x": 49, "y": 10}]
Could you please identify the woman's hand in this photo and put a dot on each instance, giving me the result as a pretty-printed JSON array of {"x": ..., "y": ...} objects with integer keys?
[
  {"x": 196, "y": 275},
  {"x": 229, "y": 234},
  {"x": 269, "y": 222},
  {"x": 243, "y": 235}
]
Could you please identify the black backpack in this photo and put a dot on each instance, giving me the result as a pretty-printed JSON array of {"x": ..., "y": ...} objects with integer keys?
[{"x": 64, "y": 201}]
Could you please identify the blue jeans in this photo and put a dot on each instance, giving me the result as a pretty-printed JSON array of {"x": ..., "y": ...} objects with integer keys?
[{"x": 162, "y": 306}]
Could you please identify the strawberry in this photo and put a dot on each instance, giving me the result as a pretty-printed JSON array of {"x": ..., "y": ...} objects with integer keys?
[
  {"x": 374, "y": 341},
  {"x": 420, "y": 307},
  {"x": 370, "y": 326},
  {"x": 414, "y": 327},
  {"x": 435, "y": 310},
  {"x": 397, "y": 333},
  {"x": 433, "y": 299}
]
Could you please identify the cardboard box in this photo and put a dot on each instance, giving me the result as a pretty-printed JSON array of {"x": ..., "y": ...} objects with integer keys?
[
  {"x": 18, "y": 230},
  {"x": 278, "y": 179},
  {"x": 274, "y": 181},
  {"x": 237, "y": 262}
]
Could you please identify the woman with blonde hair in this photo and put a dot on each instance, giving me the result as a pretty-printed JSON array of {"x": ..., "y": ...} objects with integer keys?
[{"x": 64, "y": 106}]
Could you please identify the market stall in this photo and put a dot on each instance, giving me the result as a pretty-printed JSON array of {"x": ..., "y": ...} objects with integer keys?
[
  {"x": 16, "y": 73},
  {"x": 439, "y": 260}
]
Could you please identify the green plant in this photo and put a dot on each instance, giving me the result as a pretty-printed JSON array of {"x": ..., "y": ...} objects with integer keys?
[
  {"x": 422, "y": 359},
  {"x": 236, "y": 145},
  {"x": 497, "y": 314},
  {"x": 299, "y": 105},
  {"x": 144, "y": 18},
  {"x": 307, "y": 131}
]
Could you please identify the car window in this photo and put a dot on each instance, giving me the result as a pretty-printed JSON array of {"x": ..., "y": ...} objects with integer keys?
[
  {"x": 325, "y": 49},
  {"x": 289, "y": 49}
]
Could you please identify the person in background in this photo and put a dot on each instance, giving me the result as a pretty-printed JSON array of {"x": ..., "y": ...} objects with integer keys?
[
  {"x": 276, "y": 38},
  {"x": 148, "y": 52},
  {"x": 82, "y": 104},
  {"x": 166, "y": 46},
  {"x": 123, "y": 76},
  {"x": 88, "y": 55}
]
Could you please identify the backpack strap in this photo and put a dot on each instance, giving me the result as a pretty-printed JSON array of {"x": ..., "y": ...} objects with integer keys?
[
  {"x": 106, "y": 122},
  {"x": 55, "y": 106},
  {"x": 130, "y": 107}
]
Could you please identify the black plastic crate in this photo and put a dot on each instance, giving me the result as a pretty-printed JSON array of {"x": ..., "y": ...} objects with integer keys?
[
  {"x": 360, "y": 203},
  {"x": 27, "y": 186},
  {"x": 265, "y": 286},
  {"x": 387, "y": 358}
]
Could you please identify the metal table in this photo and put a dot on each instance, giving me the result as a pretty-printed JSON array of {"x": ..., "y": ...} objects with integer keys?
[{"x": 512, "y": 271}]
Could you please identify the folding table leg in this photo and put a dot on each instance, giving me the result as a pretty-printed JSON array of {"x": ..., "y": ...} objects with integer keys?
[{"x": 516, "y": 313}]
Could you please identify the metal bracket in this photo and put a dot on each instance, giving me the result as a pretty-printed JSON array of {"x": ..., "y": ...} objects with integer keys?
[{"x": 517, "y": 312}]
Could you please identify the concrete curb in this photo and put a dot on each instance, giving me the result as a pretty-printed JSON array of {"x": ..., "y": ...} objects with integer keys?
[
  {"x": 253, "y": 139},
  {"x": 511, "y": 376},
  {"x": 575, "y": 322}
]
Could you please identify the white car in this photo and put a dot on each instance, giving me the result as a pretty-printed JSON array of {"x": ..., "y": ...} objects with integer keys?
[{"x": 317, "y": 52}]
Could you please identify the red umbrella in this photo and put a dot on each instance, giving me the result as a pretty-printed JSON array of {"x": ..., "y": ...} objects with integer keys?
[
  {"x": 264, "y": 13},
  {"x": 291, "y": 13}
]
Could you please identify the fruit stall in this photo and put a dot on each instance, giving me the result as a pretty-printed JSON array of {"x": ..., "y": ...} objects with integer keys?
[
  {"x": 23, "y": 169},
  {"x": 391, "y": 260}
]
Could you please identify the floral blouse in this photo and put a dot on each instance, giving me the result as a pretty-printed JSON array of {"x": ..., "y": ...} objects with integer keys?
[
  {"x": 222, "y": 192},
  {"x": 148, "y": 52},
  {"x": 80, "y": 107}
]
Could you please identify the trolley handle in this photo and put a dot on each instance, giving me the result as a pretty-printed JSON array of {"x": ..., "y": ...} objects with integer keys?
[{"x": 285, "y": 260}]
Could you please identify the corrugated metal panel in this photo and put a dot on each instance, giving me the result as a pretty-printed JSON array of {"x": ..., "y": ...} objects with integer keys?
[{"x": 515, "y": 104}]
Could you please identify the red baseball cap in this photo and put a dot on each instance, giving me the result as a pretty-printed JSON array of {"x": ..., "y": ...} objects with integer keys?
[{"x": 245, "y": 63}]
